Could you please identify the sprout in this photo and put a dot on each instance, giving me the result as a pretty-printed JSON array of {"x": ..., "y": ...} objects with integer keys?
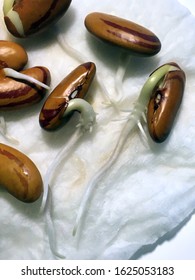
[
  {"x": 134, "y": 119},
  {"x": 87, "y": 121},
  {"x": 13, "y": 15},
  {"x": 8, "y": 72},
  {"x": 18, "y": 75},
  {"x": 3, "y": 131},
  {"x": 80, "y": 58}
]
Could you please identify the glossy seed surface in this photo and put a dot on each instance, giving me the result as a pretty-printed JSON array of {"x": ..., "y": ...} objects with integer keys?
[
  {"x": 12, "y": 55},
  {"x": 164, "y": 104},
  {"x": 123, "y": 33},
  {"x": 24, "y": 17},
  {"x": 15, "y": 93},
  {"x": 75, "y": 85},
  {"x": 19, "y": 175}
]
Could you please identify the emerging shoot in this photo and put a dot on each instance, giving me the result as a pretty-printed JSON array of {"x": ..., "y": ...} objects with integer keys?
[{"x": 134, "y": 119}]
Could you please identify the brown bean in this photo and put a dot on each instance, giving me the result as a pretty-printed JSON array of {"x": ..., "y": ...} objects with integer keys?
[
  {"x": 164, "y": 104},
  {"x": 12, "y": 55},
  {"x": 16, "y": 94},
  {"x": 19, "y": 175},
  {"x": 75, "y": 85},
  {"x": 123, "y": 33},
  {"x": 25, "y": 17}
]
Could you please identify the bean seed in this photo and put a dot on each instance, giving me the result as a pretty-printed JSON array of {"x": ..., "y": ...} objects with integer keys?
[
  {"x": 12, "y": 55},
  {"x": 15, "y": 93},
  {"x": 24, "y": 17},
  {"x": 75, "y": 85},
  {"x": 164, "y": 104},
  {"x": 123, "y": 33},
  {"x": 19, "y": 175}
]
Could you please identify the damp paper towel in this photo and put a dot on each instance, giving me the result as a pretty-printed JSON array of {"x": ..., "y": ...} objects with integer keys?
[{"x": 150, "y": 190}]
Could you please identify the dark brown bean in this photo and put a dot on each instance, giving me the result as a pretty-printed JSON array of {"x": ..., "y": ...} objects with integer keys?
[{"x": 164, "y": 104}]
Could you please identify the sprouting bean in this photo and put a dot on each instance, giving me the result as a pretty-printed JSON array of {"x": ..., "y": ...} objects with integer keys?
[
  {"x": 164, "y": 104},
  {"x": 15, "y": 93},
  {"x": 25, "y": 17},
  {"x": 75, "y": 85}
]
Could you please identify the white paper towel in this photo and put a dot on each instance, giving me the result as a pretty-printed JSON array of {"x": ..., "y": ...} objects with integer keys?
[{"x": 150, "y": 189}]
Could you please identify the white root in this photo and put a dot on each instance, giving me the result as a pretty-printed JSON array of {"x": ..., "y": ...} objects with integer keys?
[
  {"x": 55, "y": 163},
  {"x": 87, "y": 121},
  {"x": 110, "y": 101},
  {"x": 51, "y": 230},
  {"x": 101, "y": 172},
  {"x": 120, "y": 73},
  {"x": 3, "y": 131},
  {"x": 70, "y": 50},
  {"x": 17, "y": 75},
  {"x": 81, "y": 59}
]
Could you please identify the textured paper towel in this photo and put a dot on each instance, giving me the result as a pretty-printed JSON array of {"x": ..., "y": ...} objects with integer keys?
[{"x": 150, "y": 189}]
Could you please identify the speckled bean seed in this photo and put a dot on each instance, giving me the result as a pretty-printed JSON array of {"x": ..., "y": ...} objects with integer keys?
[
  {"x": 123, "y": 33},
  {"x": 75, "y": 85},
  {"x": 164, "y": 104},
  {"x": 12, "y": 55},
  {"x": 15, "y": 93},
  {"x": 19, "y": 175},
  {"x": 24, "y": 17}
]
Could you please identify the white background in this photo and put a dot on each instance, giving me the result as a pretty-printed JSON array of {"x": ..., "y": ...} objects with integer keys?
[{"x": 180, "y": 244}]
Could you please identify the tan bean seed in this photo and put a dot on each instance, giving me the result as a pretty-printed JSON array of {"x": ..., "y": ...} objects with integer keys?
[
  {"x": 12, "y": 55},
  {"x": 19, "y": 175}
]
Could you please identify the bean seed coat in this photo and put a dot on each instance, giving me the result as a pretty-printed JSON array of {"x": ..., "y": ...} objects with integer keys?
[
  {"x": 12, "y": 55},
  {"x": 75, "y": 85},
  {"x": 24, "y": 17},
  {"x": 15, "y": 93},
  {"x": 164, "y": 104},
  {"x": 19, "y": 175},
  {"x": 123, "y": 33}
]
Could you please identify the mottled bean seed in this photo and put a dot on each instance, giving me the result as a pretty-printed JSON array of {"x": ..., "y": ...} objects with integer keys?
[
  {"x": 123, "y": 33},
  {"x": 164, "y": 104},
  {"x": 24, "y": 17},
  {"x": 75, "y": 85},
  {"x": 19, "y": 93},
  {"x": 19, "y": 175}
]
